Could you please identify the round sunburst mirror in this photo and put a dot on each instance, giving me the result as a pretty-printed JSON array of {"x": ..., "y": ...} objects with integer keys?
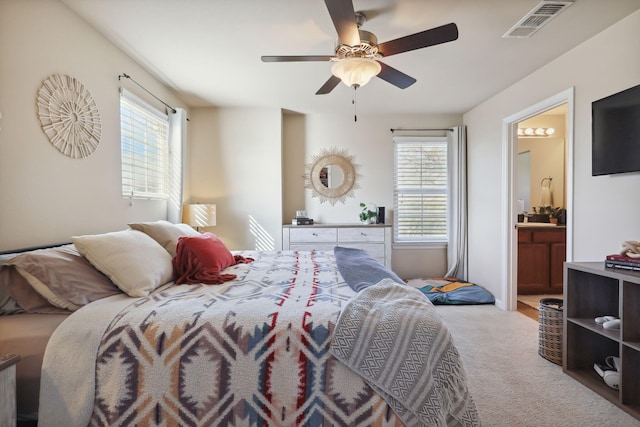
[
  {"x": 332, "y": 176},
  {"x": 69, "y": 116}
]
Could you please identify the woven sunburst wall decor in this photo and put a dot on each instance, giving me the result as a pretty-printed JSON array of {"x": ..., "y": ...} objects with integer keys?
[
  {"x": 332, "y": 157},
  {"x": 69, "y": 116}
]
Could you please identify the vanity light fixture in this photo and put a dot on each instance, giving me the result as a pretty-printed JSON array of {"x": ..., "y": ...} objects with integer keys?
[{"x": 535, "y": 132}]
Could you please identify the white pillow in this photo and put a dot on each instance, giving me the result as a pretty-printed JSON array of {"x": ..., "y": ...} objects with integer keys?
[
  {"x": 165, "y": 233},
  {"x": 135, "y": 262}
]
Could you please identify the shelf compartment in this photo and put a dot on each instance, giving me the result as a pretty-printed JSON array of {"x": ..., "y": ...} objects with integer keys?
[
  {"x": 596, "y": 347},
  {"x": 591, "y": 295},
  {"x": 592, "y": 380},
  {"x": 630, "y": 387},
  {"x": 633, "y": 345},
  {"x": 613, "y": 334}
]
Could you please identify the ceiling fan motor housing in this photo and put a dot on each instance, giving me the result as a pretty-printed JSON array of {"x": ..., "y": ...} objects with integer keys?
[{"x": 368, "y": 47}]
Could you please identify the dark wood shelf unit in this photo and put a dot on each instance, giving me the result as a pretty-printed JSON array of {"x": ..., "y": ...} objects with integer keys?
[{"x": 592, "y": 290}]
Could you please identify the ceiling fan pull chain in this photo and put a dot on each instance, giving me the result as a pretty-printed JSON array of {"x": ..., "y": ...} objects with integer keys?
[{"x": 353, "y": 101}]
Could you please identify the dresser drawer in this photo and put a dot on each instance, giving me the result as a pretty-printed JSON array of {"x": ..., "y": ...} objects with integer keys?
[
  {"x": 376, "y": 250},
  {"x": 313, "y": 235},
  {"x": 361, "y": 234},
  {"x": 312, "y": 246}
]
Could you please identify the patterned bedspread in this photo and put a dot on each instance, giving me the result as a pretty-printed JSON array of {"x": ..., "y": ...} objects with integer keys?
[{"x": 253, "y": 351}]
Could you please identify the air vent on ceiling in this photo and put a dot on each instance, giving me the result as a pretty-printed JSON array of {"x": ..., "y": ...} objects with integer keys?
[{"x": 537, "y": 18}]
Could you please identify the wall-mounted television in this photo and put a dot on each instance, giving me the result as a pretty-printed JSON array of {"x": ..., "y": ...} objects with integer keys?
[{"x": 615, "y": 131}]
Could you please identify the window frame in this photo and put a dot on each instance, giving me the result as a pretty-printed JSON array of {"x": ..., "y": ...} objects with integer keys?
[
  {"x": 424, "y": 240},
  {"x": 156, "y": 168}
]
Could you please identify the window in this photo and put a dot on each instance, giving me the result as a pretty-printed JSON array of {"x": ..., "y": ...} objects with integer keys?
[
  {"x": 420, "y": 189},
  {"x": 144, "y": 143}
]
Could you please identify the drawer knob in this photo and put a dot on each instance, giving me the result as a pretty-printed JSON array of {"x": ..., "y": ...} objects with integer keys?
[
  {"x": 315, "y": 234},
  {"x": 363, "y": 234}
]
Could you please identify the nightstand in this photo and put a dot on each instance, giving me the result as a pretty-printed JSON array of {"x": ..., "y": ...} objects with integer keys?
[{"x": 8, "y": 389}]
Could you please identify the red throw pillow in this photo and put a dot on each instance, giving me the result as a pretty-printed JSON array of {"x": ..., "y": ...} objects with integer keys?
[
  {"x": 199, "y": 259},
  {"x": 210, "y": 251}
]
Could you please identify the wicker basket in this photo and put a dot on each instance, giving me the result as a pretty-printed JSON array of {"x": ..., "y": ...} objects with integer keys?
[{"x": 550, "y": 328}]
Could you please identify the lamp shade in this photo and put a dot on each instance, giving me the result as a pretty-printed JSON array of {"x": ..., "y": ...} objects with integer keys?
[
  {"x": 355, "y": 71},
  {"x": 199, "y": 215}
]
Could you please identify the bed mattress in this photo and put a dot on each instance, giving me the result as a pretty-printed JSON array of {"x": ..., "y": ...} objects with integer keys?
[{"x": 27, "y": 335}]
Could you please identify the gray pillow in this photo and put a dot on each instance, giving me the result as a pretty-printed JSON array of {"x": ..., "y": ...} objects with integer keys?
[{"x": 60, "y": 275}]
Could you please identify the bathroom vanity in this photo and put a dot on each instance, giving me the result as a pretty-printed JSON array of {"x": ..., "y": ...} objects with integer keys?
[{"x": 541, "y": 254}]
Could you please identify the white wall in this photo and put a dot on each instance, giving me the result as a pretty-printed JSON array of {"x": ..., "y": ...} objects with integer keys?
[
  {"x": 46, "y": 197},
  {"x": 369, "y": 141},
  {"x": 235, "y": 157},
  {"x": 605, "y": 209}
]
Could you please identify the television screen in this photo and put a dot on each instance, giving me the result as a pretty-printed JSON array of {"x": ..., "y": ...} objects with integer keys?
[{"x": 615, "y": 126}]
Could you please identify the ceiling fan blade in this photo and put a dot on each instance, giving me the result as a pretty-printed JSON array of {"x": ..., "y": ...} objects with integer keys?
[
  {"x": 434, "y": 36},
  {"x": 395, "y": 77},
  {"x": 329, "y": 85},
  {"x": 343, "y": 17},
  {"x": 296, "y": 58}
]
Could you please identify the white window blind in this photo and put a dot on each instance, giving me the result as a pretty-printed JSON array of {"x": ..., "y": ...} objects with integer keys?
[
  {"x": 420, "y": 189},
  {"x": 144, "y": 143}
]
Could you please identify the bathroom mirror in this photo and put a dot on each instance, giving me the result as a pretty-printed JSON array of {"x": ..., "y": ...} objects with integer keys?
[{"x": 332, "y": 176}]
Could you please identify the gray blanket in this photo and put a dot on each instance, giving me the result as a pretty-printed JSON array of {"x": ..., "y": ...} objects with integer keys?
[
  {"x": 391, "y": 335},
  {"x": 360, "y": 270}
]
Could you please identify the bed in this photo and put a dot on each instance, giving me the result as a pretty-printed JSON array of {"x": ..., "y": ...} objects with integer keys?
[{"x": 161, "y": 337}]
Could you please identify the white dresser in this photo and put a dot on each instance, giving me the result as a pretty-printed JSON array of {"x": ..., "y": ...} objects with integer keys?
[{"x": 373, "y": 238}]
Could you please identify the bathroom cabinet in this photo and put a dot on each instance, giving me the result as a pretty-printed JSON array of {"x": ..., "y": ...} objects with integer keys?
[
  {"x": 541, "y": 254},
  {"x": 592, "y": 290}
]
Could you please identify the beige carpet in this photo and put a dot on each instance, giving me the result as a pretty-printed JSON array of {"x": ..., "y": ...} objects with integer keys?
[
  {"x": 511, "y": 384},
  {"x": 533, "y": 301}
]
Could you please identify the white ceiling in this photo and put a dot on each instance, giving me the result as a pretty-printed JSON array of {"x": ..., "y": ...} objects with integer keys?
[{"x": 209, "y": 50}]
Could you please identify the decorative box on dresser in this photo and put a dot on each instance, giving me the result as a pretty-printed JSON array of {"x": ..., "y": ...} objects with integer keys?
[
  {"x": 375, "y": 239},
  {"x": 592, "y": 290},
  {"x": 8, "y": 389}
]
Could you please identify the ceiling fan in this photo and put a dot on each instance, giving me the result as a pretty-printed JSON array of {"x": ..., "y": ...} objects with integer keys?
[{"x": 357, "y": 54}]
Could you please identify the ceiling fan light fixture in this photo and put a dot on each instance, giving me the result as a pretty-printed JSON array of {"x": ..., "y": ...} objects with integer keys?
[{"x": 355, "y": 71}]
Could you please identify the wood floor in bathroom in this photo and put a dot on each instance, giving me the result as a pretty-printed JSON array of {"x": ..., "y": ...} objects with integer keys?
[
  {"x": 528, "y": 311},
  {"x": 527, "y": 304}
]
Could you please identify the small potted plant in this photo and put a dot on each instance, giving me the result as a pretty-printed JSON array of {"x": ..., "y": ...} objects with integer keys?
[
  {"x": 555, "y": 214},
  {"x": 367, "y": 215}
]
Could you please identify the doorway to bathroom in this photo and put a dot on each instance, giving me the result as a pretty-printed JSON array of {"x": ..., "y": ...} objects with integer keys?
[
  {"x": 541, "y": 208},
  {"x": 548, "y": 185}
]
